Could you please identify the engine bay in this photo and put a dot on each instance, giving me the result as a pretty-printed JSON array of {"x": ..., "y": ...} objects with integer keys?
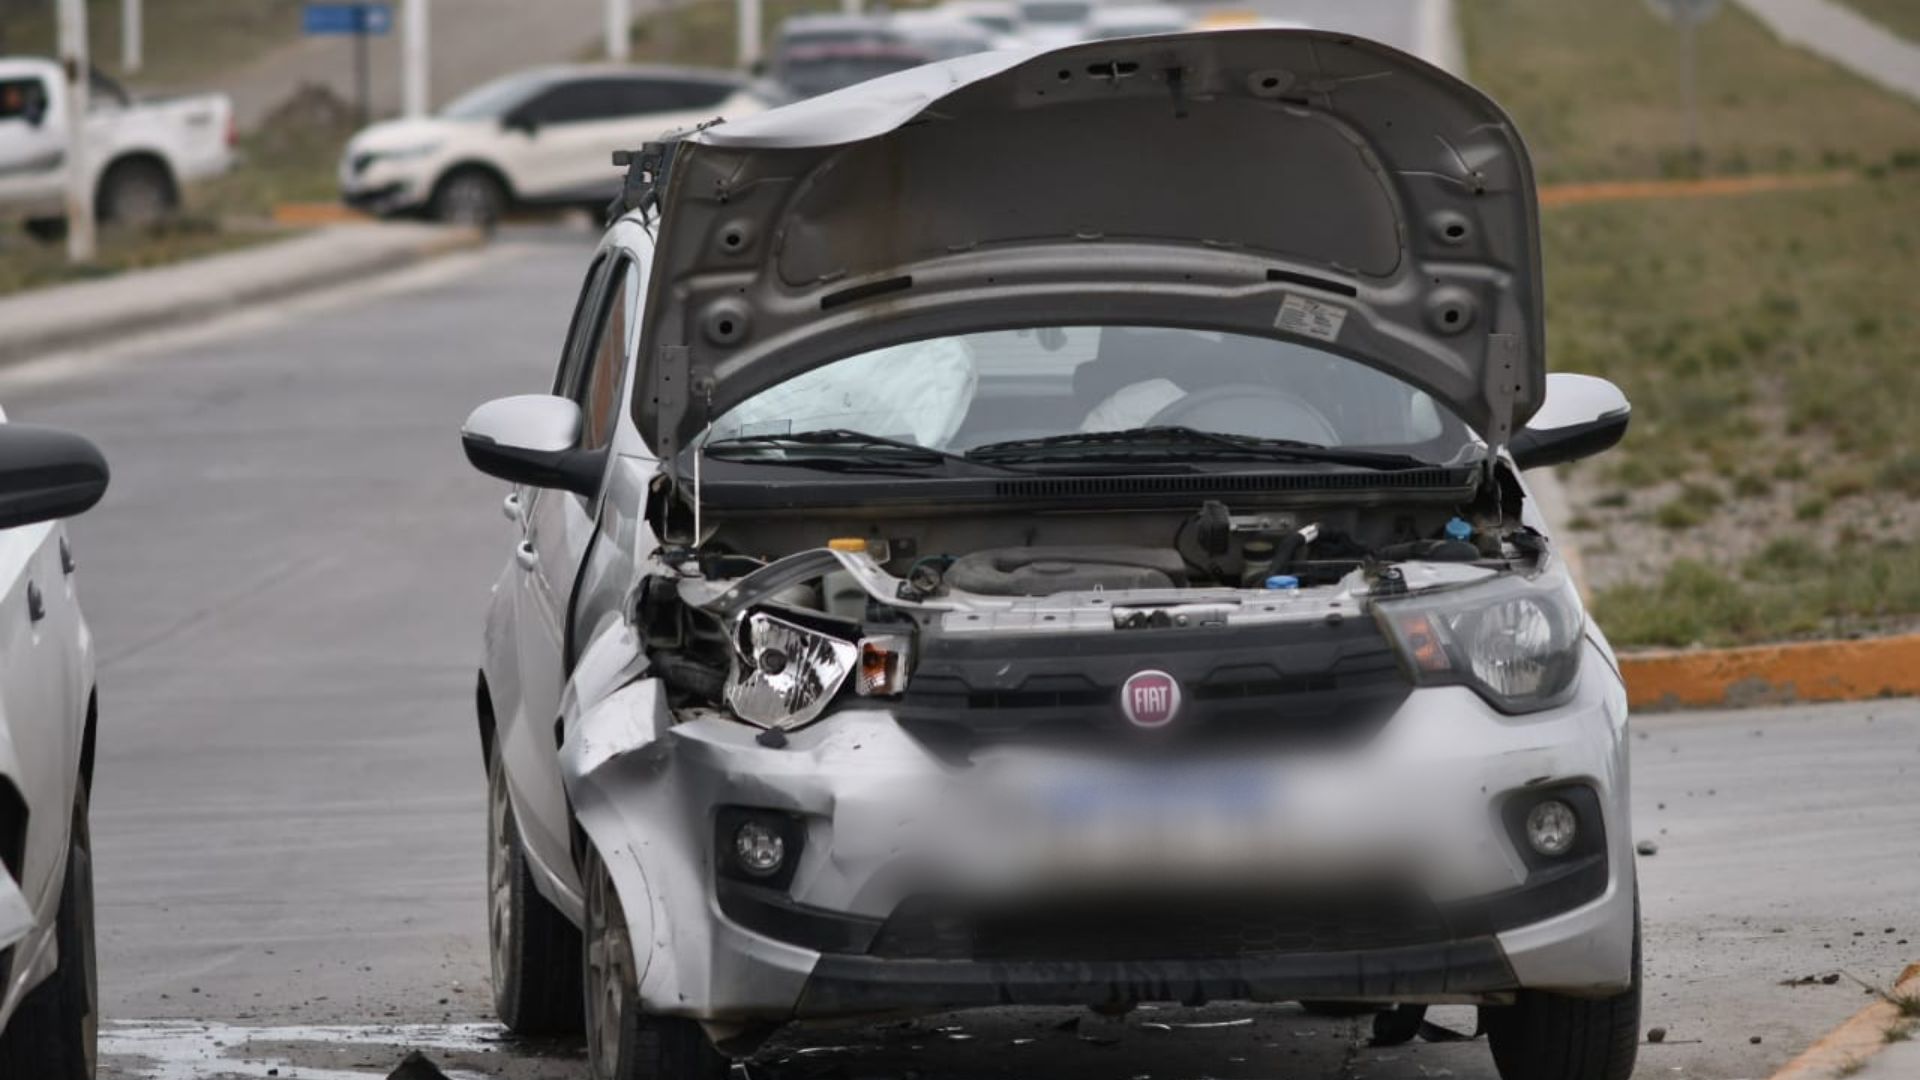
[{"x": 773, "y": 619}]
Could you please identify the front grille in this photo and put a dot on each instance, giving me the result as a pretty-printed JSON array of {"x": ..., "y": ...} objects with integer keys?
[
  {"x": 1308, "y": 684},
  {"x": 1145, "y": 928}
]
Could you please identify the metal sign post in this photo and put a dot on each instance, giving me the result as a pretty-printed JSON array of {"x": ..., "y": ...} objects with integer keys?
[
  {"x": 361, "y": 20},
  {"x": 619, "y": 30},
  {"x": 1687, "y": 15},
  {"x": 414, "y": 70},
  {"x": 747, "y": 14},
  {"x": 76, "y": 67},
  {"x": 132, "y": 54}
]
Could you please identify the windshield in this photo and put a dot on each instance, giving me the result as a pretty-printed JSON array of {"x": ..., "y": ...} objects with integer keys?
[
  {"x": 957, "y": 393},
  {"x": 495, "y": 99},
  {"x": 1055, "y": 12}
]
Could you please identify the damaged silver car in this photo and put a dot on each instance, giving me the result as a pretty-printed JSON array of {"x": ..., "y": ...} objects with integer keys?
[{"x": 1047, "y": 528}]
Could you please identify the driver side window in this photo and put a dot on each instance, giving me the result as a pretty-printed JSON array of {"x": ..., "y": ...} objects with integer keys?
[{"x": 599, "y": 389}]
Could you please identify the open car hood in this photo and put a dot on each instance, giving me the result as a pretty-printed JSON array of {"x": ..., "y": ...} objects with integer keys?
[{"x": 1287, "y": 183}]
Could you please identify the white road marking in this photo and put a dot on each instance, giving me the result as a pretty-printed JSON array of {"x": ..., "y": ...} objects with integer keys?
[{"x": 197, "y": 1049}]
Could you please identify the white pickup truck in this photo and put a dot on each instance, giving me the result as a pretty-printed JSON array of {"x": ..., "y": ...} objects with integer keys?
[{"x": 138, "y": 152}]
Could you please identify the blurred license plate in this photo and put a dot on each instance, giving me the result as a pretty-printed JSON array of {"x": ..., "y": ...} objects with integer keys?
[{"x": 1159, "y": 794}]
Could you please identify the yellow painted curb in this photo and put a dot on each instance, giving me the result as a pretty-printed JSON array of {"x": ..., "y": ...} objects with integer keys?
[
  {"x": 1626, "y": 190},
  {"x": 1858, "y": 1039},
  {"x": 1764, "y": 674},
  {"x": 316, "y": 213}
]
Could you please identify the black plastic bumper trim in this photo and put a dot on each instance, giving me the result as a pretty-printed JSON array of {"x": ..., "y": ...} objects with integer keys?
[
  {"x": 844, "y": 985},
  {"x": 766, "y": 910}
]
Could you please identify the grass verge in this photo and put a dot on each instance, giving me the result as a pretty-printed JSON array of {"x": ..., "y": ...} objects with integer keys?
[
  {"x": 185, "y": 40},
  {"x": 1595, "y": 90},
  {"x": 26, "y": 263},
  {"x": 1900, "y": 16},
  {"x": 1770, "y": 486}
]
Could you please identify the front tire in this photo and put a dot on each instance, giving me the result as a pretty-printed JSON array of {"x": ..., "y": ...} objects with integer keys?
[
  {"x": 1544, "y": 1036},
  {"x": 469, "y": 196},
  {"x": 533, "y": 949},
  {"x": 54, "y": 1034},
  {"x": 622, "y": 1042}
]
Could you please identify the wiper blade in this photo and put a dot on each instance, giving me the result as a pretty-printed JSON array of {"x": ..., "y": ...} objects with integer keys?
[
  {"x": 1183, "y": 443},
  {"x": 828, "y": 439},
  {"x": 837, "y": 448}
]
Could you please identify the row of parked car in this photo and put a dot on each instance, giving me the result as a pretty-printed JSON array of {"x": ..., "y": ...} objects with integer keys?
[
  {"x": 819, "y": 53},
  {"x": 531, "y": 139},
  {"x": 542, "y": 138}
]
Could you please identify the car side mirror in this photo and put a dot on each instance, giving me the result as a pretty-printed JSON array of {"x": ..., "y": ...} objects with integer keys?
[
  {"x": 1582, "y": 416},
  {"x": 532, "y": 439},
  {"x": 524, "y": 123},
  {"x": 47, "y": 474}
]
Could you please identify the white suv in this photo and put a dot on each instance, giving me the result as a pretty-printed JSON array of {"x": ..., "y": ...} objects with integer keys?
[
  {"x": 48, "y": 1011},
  {"x": 537, "y": 138},
  {"x": 1047, "y": 528}
]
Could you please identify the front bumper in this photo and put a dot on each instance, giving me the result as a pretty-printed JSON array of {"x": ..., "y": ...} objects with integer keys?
[
  {"x": 382, "y": 201},
  {"x": 1427, "y": 801}
]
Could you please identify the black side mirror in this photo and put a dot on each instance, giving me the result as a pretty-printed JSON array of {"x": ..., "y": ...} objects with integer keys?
[
  {"x": 47, "y": 474},
  {"x": 521, "y": 122},
  {"x": 1581, "y": 417},
  {"x": 532, "y": 439}
]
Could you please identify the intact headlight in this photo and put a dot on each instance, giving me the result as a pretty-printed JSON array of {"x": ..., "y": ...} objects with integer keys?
[
  {"x": 1514, "y": 639},
  {"x": 784, "y": 674}
]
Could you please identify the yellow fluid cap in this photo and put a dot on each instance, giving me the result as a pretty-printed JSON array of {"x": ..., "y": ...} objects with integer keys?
[{"x": 847, "y": 543}]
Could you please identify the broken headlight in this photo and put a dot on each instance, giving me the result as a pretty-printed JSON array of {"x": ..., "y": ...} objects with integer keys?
[
  {"x": 786, "y": 674},
  {"x": 1515, "y": 640}
]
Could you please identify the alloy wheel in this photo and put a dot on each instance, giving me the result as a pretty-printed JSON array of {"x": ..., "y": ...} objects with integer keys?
[
  {"x": 610, "y": 975},
  {"x": 499, "y": 873}
]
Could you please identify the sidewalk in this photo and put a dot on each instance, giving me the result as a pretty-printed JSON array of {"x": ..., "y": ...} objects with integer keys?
[
  {"x": 1845, "y": 37},
  {"x": 42, "y": 320}
]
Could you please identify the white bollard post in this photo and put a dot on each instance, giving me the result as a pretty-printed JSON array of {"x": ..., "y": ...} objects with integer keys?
[
  {"x": 73, "y": 60},
  {"x": 414, "y": 69},
  {"x": 132, "y": 51},
  {"x": 619, "y": 30},
  {"x": 748, "y": 15}
]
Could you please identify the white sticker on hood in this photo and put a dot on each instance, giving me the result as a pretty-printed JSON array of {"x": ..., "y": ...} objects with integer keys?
[{"x": 1310, "y": 318}]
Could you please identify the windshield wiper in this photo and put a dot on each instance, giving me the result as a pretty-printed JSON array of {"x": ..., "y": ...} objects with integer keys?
[
  {"x": 835, "y": 448},
  {"x": 1183, "y": 443}
]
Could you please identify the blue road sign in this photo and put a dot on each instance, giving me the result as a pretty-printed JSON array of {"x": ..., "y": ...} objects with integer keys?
[{"x": 374, "y": 19}]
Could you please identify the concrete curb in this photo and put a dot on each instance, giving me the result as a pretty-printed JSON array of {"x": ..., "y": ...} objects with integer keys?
[
  {"x": 1774, "y": 674},
  {"x": 1846, "y": 1049},
  {"x": 1606, "y": 191},
  {"x": 88, "y": 313}
]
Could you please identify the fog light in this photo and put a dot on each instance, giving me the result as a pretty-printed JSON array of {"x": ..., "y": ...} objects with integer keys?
[
  {"x": 1551, "y": 827},
  {"x": 759, "y": 849}
]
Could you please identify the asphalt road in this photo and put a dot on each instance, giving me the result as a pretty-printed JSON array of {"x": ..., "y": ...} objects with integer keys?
[{"x": 286, "y": 582}]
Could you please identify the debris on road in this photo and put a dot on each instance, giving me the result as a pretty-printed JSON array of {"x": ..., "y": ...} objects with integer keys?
[
  {"x": 1657, "y": 1035},
  {"x": 1647, "y": 847}
]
